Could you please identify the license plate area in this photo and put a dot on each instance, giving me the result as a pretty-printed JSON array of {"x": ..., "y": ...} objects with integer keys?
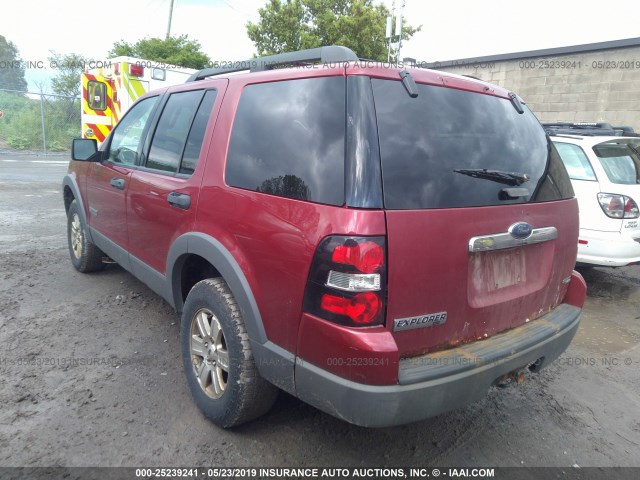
[{"x": 498, "y": 276}]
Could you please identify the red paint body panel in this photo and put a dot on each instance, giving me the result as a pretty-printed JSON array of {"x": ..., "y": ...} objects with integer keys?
[
  {"x": 577, "y": 292},
  {"x": 154, "y": 224},
  {"x": 79, "y": 171},
  {"x": 431, "y": 270},
  {"x": 274, "y": 240},
  {"x": 107, "y": 209},
  {"x": 364, "y": 355},
  {"x": 429, "y": 77}
]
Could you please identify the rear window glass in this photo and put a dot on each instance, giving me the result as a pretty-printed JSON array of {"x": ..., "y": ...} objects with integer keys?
[
  {"x": 620, "y": 162},
  {"x": 97, "y": 95},
  {"x": 575, "y": 161},
  {"x": 435, "y": 149},
  {"x": 288, "y": 139}
]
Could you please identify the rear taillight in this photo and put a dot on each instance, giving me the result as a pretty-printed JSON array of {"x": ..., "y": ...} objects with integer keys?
[
  {"x": 366, "y": 256},
  {"x": 618, "y": 206},
  {"x": 347, "y": 281},
  {"x": 631, "y": 208},
  {"x": 362, "y": 309}
]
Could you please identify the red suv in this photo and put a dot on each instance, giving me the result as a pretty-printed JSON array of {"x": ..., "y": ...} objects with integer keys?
[{"x": 383, "y": 243}]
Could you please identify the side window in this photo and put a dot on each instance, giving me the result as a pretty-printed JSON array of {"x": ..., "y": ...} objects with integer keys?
[
  {"x": 97, "y": 95},
  {"x": 196, "y": 135},
  {"x": 288, "y": 139},
  {"x": 171, "y": 133},
  {"x": 128, "y": 133},
  {"x": 575, "y": 161}
]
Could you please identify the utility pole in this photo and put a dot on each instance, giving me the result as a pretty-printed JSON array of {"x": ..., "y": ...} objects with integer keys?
[
  {"x": 44, "y": 133},
  {"x": 389, "y": 32},
  {"x": 399, "y": 21},
  {"x": 170, "y": 15}
]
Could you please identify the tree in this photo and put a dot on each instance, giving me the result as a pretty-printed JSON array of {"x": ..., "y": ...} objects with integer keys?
[
  {"x": 289, "y": 186},
  {"x": 68, "y": 69},
  {"x": 300, "y": 24},
  {"x": 11, "y": 67},
  {"x": 66, "y": 82},
  {"x": 177, "y": 50}
]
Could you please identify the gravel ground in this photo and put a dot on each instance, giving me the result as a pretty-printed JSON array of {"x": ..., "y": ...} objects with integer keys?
[{"x": 90, "y": 375}]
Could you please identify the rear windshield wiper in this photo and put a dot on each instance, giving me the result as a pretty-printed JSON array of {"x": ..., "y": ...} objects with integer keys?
[{"x": 508, "y": 178}]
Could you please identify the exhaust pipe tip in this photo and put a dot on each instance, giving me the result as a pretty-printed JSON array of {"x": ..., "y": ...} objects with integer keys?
[{"x": 518, "y": 376}]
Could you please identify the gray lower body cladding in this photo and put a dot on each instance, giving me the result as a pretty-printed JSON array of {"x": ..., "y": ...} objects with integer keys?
[{"x": 435, "y": 383}]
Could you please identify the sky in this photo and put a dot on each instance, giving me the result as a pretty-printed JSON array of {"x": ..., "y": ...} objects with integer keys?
[{"x": 450, "y": 30}]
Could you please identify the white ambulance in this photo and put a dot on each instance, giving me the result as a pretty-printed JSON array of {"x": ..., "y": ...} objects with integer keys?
[{"x": 108, "y": 92}]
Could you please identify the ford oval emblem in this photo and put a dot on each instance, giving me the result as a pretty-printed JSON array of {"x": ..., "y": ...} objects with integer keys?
[{"x": 520, "y": 230}]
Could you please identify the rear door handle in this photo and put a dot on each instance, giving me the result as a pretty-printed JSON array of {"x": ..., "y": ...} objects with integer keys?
[
  {"x": 117, "y": 183},
  {"x": 180, "y": 200}
]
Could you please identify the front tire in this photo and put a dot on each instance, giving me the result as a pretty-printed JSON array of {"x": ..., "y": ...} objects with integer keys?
[
  {"x": 217, "y": 357},
  {"x": 85, "y": 256}
]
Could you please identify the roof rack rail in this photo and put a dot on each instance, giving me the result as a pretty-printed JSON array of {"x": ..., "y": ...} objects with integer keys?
[
  {"x": 589, "y": 129},
  {"x": 330, "y": 54}
]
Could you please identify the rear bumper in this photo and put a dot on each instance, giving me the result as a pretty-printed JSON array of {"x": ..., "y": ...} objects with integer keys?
[
  {"x": 435, "y": 383},
  {"x": 608, "y": 249}
]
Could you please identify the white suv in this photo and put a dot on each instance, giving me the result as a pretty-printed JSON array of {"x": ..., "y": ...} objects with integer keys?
[{"x": 604, "y": 166}]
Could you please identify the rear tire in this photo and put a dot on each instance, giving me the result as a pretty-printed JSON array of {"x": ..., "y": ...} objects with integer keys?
[
  {"x": 217, "y": 357},
  {"x": 85, "y": 256}
]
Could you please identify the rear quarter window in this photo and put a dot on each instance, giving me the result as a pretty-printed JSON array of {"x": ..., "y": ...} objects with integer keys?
[
  {"x": 575, "y": 161},
  {"x": 426, "y": 141},
  {"x": 288, "y": 139}
]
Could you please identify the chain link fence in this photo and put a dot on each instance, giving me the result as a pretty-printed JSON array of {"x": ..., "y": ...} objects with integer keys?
[{"x": 36, "y": 123}]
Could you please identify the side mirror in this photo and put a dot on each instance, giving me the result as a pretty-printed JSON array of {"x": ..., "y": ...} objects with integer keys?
[{"x": 84, "y": 149}]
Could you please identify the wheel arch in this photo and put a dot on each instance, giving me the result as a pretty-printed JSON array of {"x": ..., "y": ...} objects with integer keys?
[
  {"x": 225, "y": 266},
  {"x": 274, "y": 363},
  {"x": 68, "y": 196},
  {"x": 71, "y": 192}
]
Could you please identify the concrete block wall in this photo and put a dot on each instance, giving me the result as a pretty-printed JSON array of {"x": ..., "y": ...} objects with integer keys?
[{"x": 599, "y": 86}]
